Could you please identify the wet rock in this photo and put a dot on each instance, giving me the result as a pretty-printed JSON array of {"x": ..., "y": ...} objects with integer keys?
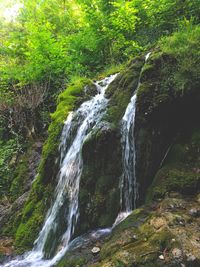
[
  {"x": 90, "y": 90},
  {"x": 95, "y": 250}
]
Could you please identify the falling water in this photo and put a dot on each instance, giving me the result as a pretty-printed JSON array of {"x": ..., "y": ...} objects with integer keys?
[
  {"x": 76, "y": 130},
  {"x": 128, "y": 183}
]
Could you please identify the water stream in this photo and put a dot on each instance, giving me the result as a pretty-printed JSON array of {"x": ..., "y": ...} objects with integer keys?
[
  {"x": 55, "y": 237},
  {"x": 76, "y": 129},
  {"x": 128, "y": 183}
]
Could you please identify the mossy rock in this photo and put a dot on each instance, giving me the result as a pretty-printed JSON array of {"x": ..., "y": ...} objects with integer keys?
[
  {"x": 136, "y": 242},
  {"x": 42, "y": 190},
  {"x": 99, "y": 190},
  {"x": 163, "y": 112},
  {"x": 121, "y": 90},
  {"x": 180, "y": 171}
]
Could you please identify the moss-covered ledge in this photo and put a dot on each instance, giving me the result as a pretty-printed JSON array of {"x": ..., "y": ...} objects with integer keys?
[
  {"x": 42, "y": 190},
  {"x": 122, "y": 89}
]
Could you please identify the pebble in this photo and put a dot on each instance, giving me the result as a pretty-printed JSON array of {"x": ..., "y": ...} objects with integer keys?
[
  {"x": 135, "y": 237},
  {"x": 194, "y": 212},
  {"x": 161, "y": 257},
  {"x": 95, "y": 250}
]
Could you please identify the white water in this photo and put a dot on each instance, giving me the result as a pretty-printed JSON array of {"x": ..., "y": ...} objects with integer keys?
[
  {"x": 81, "y": 122},
  {"x": 128, "y": 183}
]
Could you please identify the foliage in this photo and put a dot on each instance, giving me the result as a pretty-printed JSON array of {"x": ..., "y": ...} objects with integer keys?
[
  {"x": 184, "y": 46},
  {"x": 8, "y": 153}
]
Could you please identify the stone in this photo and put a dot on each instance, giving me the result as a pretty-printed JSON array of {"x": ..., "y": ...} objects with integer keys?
[
  {"x": 194, "y": 212},
  {"x": 161, "y": 257},
  {"x": 157, "y": 223},
  {"x": 95, "y": 250},
  {"x": 177, "y": 253},
  {"x": 190, "y": 257}
]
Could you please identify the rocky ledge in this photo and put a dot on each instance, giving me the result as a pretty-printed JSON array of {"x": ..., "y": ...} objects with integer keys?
[{"x": 164, "y": 233}]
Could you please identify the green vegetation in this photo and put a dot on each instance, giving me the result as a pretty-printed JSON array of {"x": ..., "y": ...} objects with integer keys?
[{"x": 8, "y": 152}]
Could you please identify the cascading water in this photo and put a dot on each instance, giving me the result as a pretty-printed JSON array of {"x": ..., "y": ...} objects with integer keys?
[
  {"x": 128, "y": 183},
  {"x": 58, "y": 232},
  {"x": 76, "y": 130}
]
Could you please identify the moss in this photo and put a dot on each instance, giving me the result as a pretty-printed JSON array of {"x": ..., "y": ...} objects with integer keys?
[
  {"x": 184, "y": 46},
  {"x": 110, "y": 70},
  {"x": 41, "y": 193},
  {"x": 27, "y": 232},
  {"x": 77, "y": 262},
  {"x": 180, "y": 170},
  {"x": 20, "y": 176},
  {"x": 121, "y": 90},
  {"x": 136, "y": 242},
  {"x": 99, "y": 191},
  {"x": 32, "y": 217}
]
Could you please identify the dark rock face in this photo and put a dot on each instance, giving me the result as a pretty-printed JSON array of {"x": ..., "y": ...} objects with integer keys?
[
  {"x": 99, "y": 187},
  {"x": 164, "y": 113}
]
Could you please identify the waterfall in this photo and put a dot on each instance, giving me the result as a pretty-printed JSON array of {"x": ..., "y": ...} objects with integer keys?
[
  {"x": 55, "y": 237},
  {"x": 77, "y": 127},
  {"x": 128, "y": 182}
]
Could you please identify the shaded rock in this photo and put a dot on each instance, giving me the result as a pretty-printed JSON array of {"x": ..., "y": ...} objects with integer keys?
[
  {"x": 90, "y": 89},
  {"x": 10, "y": 210},
  {"x": 194, "y": 212},
  {"x": 190, "y": 257}
]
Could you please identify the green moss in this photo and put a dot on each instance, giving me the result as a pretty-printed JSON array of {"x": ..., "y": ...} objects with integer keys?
[
  {"x": 121, "y": 90},
  {"x": 72, "y": 263},
  {"x": 99, "y": 191},
  {"x": 180, "y": 170},
  {"x": 110, "y": 70},
  {"x": 27, "y": 232},
  {"x": 20, "y": 176},
  {"x": 184, "y": 46},
  {"x": 135, "y": 242}
]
